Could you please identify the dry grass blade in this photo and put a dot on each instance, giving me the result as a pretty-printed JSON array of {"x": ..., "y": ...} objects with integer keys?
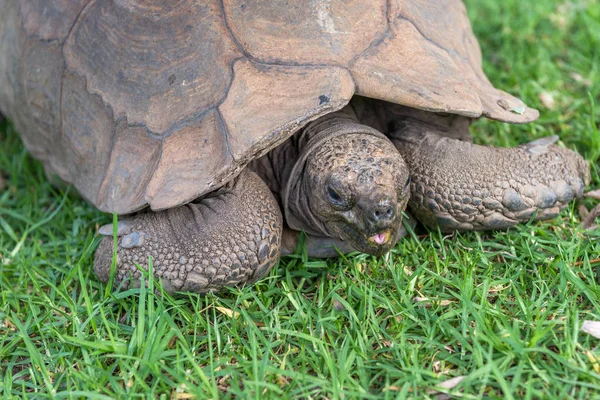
[
  {"x": 594, "y": 261},
  {"x": 230, "y": 313},
  {"x": 589, "y": 220},
  {"x": 594, "y": 194}
]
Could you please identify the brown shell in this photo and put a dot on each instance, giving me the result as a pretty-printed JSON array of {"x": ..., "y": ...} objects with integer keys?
[{"x": 161, "y": 101}]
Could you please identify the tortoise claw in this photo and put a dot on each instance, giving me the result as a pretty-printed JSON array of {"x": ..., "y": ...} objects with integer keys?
[
  {"x": 541, "y": 145},
  {"x": 123, "y": 228},
  {"x": 134, "y": 239}
]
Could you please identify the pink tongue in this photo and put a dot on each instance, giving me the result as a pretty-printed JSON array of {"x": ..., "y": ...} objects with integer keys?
[{"x": 379, "y": 238}]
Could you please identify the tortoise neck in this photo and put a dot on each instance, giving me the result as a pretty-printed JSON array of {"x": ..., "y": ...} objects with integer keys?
[
  {"x": 295, "y": 196},
  {"x": 330, "y": 122},
  {"x": 276, "y": 166}
]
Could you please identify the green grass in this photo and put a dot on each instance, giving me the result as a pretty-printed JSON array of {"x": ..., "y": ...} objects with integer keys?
[{"x": 504, "y": 309}]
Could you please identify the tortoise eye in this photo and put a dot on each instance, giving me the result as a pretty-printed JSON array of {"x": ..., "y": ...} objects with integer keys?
[
  {"x": 333, "y": 195},
  {"x": 407, "y": 181},
  {"x": 338, "y": 196}
]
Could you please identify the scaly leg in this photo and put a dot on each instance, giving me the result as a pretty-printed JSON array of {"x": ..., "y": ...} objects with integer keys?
[
  {"x": 462, "y": 186},
  {"x": 231, "y": 237}
]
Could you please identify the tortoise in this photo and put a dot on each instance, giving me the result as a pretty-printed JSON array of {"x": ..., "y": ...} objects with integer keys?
[{"x": 222, "y": 129}]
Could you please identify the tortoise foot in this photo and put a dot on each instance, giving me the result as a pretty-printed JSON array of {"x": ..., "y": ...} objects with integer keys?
[
  {"x": 232, "y": 237},
  {"x": 462, "y": 186}
]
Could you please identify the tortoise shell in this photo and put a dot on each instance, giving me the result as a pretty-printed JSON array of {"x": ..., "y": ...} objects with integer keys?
[{"x": 158, "y": 102}]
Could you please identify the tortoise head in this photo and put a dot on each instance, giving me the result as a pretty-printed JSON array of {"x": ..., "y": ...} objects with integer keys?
[{"x": 358, "y": 186}]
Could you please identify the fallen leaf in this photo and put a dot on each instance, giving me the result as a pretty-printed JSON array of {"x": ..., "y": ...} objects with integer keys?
[
  {"x": 420, "y": 299},
  {"x": 228, "y": 312},
  {"x": 282, "y": 381},
  {"x": 452, "y": 382},
  {"x": 589, "y": 220},
  {"x": 427, "y": 301},
  {"x": 547, "y": 100},
  {"x": 592, "y": 328},
  {"x": 8, "y": 323},
  {"x": 594, "y": 194},
  {"x": 447, "y": 384},
  {"x": 580, "y": 79},
  {"x": 583, "y": 211}
]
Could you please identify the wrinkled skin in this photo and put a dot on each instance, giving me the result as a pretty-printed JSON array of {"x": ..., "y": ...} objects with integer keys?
[
  {"x": 458, "y": 185},
  {"x": 359, "y": 187}
]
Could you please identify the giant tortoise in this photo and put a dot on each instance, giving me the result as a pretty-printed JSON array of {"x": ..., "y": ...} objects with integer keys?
[{"x": 223, "y": 128}]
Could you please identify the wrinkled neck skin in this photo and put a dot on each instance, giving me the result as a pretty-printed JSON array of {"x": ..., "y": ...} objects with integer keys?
[
  {"x": 296, "y": 202},
  {"x": 340, "y": 179},
  {"x": 296, "y": 183},
  {"x": 276, "y": 166},
  {"x": 299, "y": 214},
  {"x": 349, "y": 183}
]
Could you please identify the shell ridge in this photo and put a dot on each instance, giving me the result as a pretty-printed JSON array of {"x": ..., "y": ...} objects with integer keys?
[
  {"x": 75, "y": 22},
  {"x": 256, "y": 60},
  {"x": 428, "y": 39},
  {"x": 378, "y": 40},
  {"x": 233, "y": 37},
  {"x": 113, "y": 142}
]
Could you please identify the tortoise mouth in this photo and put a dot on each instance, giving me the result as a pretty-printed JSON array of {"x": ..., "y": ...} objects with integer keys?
[
  {"x": 375, "y": 243},
  {"x": 381, "y": 238}
]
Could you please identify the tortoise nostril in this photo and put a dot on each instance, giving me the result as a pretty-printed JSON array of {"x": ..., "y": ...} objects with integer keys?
[{"x": 383, "y": 214}]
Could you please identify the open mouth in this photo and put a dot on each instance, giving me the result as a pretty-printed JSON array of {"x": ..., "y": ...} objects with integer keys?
[
  {"x": 376, "y": 244},
  {"x": 381, "y": 238}
]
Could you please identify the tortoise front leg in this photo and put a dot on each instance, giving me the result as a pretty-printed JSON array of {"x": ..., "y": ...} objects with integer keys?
[
  {"x": 231, "y": 237},
  {"x": 461, "y": 186}
]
